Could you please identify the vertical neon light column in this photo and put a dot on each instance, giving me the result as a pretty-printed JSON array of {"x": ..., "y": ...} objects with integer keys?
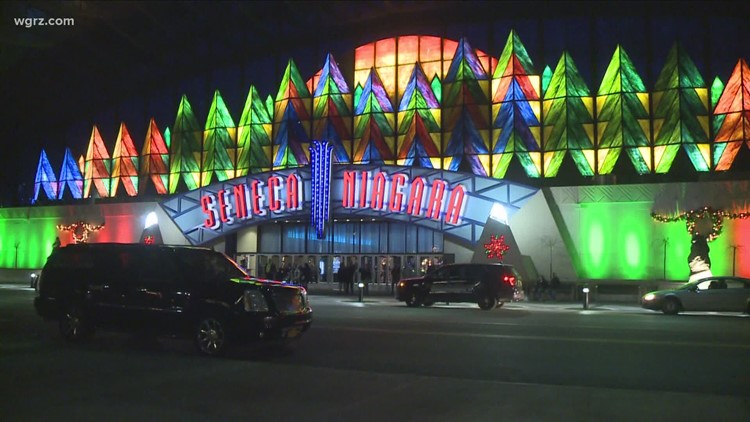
[
  {"x": 622, "y": 116},
  {"x": 291, "y": 120},
  {"x": 680, "y": 101},
  {"x": 332, "y": 105},
  {"x": 154, "y": 160},
  {"x": 254, "y": 136},
  {"x": 466, "y": 105},
  {"x": 97, "y": 167},
  {"x": 45, "y": 179},
  {"x": 185, "y": 149},
  {"x": 515, "y": 111},
  {"x": 419, "y": 123},
  {"x": 734, "y": 125},
  {"x": 568, "y": 120},
  {"x": 374, "y": 124},
  {"x": 125, "y": 163},
  {"x": 219, "y": 143},
  {"x": 320, "y": 152}
]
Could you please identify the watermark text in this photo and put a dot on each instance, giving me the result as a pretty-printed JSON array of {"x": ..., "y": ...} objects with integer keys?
[{"x": 31, "y": 22}]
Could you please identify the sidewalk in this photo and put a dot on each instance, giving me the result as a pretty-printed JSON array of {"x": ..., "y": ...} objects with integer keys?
[{"x": 382, "y": 292}]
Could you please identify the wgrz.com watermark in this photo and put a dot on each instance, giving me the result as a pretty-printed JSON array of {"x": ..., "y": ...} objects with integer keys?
[{"x": 32, "y": 22}]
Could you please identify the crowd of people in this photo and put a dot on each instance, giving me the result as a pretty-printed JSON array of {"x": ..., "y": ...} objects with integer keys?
[
  {"x": 300, "y": 274},
  {"x": 544, "y": 289}
]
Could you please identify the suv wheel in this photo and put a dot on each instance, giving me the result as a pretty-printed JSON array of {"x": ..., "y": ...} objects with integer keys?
[
  {"x": 487, "y": 302},
  {"x": 75, "y": 325},
  {"x": 210, "y": 336}
]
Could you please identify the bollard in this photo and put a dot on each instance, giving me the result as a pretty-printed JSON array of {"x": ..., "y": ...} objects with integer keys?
[
  {"x": 361, "y": 290},
  {"x": 585, "y": 297}
]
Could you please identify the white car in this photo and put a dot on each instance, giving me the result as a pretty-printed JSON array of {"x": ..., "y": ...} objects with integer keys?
[{"x": 720, "y": 294}]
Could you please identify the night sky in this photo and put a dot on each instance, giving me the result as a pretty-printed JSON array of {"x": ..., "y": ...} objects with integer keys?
[{"x": 130, "y": 61}]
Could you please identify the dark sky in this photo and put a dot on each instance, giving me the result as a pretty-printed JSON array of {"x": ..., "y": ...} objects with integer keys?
[{"x": 129, "y": 61}]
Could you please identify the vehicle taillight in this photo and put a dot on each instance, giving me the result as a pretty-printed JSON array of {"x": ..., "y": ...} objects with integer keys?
[{"x": 510, "y": 280}]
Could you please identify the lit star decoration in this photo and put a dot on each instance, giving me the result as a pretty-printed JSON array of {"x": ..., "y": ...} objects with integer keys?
[
  {"x": 80, "y": 230},
  {"x": 496, "y": 248},
  {"x": 690, "y": 217}
]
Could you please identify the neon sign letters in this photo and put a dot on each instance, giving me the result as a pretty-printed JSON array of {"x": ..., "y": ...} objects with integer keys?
[
  {"x": 256, "y": 197},
  {"x": 422, "y": 197},
  {"x": 398, "y": 194}
]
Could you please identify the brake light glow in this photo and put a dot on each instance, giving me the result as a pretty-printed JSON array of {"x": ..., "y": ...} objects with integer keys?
[{"x": 510, "y": 280}]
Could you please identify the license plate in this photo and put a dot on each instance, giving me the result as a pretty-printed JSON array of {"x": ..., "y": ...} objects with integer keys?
[{"x": 291, "y": 333}]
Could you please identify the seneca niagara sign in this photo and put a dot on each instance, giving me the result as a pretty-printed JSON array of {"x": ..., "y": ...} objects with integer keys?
[{"x": 455, "y": 203}]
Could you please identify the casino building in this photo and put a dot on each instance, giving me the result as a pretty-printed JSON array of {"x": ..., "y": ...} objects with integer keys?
[{"x": 426, "y": 150}]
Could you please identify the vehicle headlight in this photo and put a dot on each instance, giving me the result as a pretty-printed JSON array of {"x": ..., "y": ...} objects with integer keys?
[
  {"x": 649, "y": 297},
  {"x": 254, "y": 301}
]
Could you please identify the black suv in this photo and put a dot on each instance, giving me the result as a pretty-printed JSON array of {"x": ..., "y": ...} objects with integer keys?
[
  {"x": 488, "y": 285},
  {"x": 179, "y": 291}
]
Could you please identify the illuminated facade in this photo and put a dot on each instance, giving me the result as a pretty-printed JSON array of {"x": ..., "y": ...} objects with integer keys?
[{"x": 441, "y": 106}]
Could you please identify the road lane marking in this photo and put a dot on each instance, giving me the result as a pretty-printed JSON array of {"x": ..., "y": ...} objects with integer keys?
[
  {"x": 15, "y": 287},
  {"x": 537, "y": 338}
]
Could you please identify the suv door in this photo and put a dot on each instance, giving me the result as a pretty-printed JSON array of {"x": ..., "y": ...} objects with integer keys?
[
  {"x": 439, "y": 281},
  {"x": 108, "y": 285},
  {"x": 154, "y": 294},
  {"x": 459, "y": 281}
]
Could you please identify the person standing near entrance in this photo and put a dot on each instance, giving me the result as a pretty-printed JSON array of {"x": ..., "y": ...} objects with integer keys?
[
  {"x": 395, "y": 276},
  {"x": 554, "y": 286}
]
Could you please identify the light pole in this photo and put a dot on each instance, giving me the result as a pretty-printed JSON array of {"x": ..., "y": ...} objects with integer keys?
[
  {"x": 18, "y": 243},
  {"x": 665, "y": 241},
  {"x": 549, "y": 242},
  {"x": 734, "y": 257}
]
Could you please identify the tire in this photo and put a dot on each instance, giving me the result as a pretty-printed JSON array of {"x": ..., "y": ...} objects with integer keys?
[
  {"x": 75, "y": 324},
  {"x": 671, "y": 306},
  {"x": 210, "y": 337},
  {"x": 427, "y": 303},
  {"x": 487, "y": 302},
  {"x": 413, "y": 301}
]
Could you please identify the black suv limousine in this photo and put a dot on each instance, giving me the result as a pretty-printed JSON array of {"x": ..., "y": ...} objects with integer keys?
[
  {"x": 180, "y": 291},
  {"x": 488, "y": 285}
]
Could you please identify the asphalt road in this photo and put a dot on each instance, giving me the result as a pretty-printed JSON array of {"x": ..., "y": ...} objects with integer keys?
[{"x": 379, "y": 360}]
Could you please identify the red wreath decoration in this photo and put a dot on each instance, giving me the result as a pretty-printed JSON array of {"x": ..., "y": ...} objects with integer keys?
[{"x": 496, "y": 248}]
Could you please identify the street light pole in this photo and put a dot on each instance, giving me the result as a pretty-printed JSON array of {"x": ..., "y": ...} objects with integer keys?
[{"x": 664, "y": 263}]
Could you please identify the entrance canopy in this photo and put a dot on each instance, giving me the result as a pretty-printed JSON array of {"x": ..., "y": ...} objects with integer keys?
[{"x": 458, "y": 204}]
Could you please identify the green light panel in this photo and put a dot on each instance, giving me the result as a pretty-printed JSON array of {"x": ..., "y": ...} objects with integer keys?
[
  {"x": 254, "y": 136},
  {"x": 623, "y": 116},
  {"x": 374, "y": 124},
  {"x": 516, "y": 111},
  {"x": 418, "y": 142},
  {"x": 465, "y": 105},
  {"x": 155, "y": 159},
  {"x": 616, "y": 241},
  {"x": 125, "y": 163},
  {"x": 185, "y": 149},
  {"x": 97, "y": 167},
  {"x": 680, "y": 113},
  {"x": 291, "y": 124},
  {"x": 219, "y": 143},
  {"x": 27, "y": 242},
  {"x": 332, "y": 115},
  {"x": 568, "y": 124},
  {"x": 734, "y": 106}
]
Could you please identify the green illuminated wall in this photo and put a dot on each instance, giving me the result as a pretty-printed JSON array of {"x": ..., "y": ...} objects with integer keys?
[{"x": 33, "y": 237}]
